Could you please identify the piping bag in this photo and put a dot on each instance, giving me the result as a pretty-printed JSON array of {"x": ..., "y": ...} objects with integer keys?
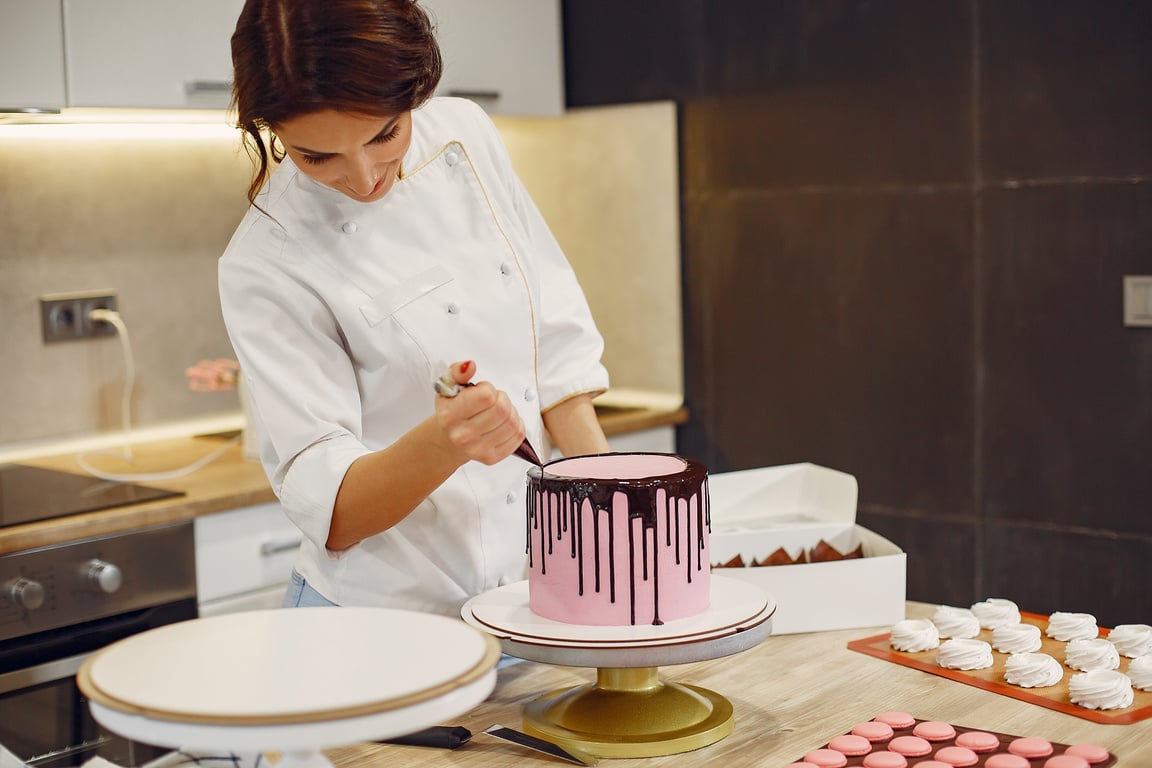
[{"x": 446, "y": 386}]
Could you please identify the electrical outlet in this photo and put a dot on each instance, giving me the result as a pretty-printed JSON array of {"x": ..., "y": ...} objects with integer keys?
[
  {"x": 64, "y": 316},
  {"x": 1138, "y": 300}
]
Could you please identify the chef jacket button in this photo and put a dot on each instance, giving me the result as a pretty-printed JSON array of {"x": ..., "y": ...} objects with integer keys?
[
  {"x": 453, "y": 308},
  {"x": 529, "y": 395},
  {"x": 349, "y": 227},
  {"x": 510, "y": 498},
  {"x": 505, "y": 269},
  {"x": 451, "y": 158}
]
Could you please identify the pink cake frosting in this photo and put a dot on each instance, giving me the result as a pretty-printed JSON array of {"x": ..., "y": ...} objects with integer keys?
[{"x": 618, "y": 538}]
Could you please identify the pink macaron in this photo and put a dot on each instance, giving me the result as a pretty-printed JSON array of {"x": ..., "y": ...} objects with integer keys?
[
  {"x": 851, "y": 744},
  {"x": 826, "y": 758},
  {"x": 934, "y": 730},
  {"x": 1093, "y": 753},
  {"x": 960, "y": 757},
  {"x": 910, "y": 746},
  {"x": 1030, "y": 747},
  {"x": 873, "y": 730},
  {"x": 1066, "y": 761},
  {"x": 1005, "y": 760},
  {"x": 978, "y": 741},
  {"x": 896, "y": 719},
  {"x": 885, "y": 760}
]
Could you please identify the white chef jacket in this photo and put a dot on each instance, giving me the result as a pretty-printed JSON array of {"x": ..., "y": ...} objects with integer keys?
[{"x": 342, "y": 313}]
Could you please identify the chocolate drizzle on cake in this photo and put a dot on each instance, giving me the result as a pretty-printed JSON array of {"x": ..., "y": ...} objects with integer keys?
[{"x": 556, "y": 502}]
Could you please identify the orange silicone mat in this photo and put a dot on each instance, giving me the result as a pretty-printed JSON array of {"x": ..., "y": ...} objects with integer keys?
[{"x": 992, "y": 679}]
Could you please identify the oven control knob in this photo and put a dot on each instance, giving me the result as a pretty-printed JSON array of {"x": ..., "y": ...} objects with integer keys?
[
  {"x": 26, "y": 593},
  {"x": 103, "y": 576}
]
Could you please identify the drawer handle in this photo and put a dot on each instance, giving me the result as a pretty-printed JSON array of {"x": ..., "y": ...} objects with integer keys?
[
  {"x": 476, "y": 95},
  {"x": 275, "y": 547},
  {"x": 193, "y": 87}
]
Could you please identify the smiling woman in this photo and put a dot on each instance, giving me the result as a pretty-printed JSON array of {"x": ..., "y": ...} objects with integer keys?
[
  {"x": 359, "y": 156},
  {"x": 388, "y": 237},
  {"x": 366, "y": 58}
]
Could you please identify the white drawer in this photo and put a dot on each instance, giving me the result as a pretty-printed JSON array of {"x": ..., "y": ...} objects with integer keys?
[
  {"x": 261, "y": 600},
  {"x": 244, "y": 550}
]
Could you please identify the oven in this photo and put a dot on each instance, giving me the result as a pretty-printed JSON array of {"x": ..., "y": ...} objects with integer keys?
[{"x": 59, "y": 604}]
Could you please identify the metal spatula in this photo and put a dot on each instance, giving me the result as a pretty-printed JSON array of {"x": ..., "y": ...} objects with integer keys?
[{"x": 452, "y": 737}]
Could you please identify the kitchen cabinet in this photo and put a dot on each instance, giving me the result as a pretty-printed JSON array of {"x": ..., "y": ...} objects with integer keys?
[
  {"x": 149, "y": 53},
  {"x": 507, "y": 55},
  {"x": 31, "y": 56},
  {"x": 244, "y": 558}
]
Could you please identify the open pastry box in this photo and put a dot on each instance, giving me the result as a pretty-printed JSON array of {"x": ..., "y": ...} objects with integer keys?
[{"x": 794, "y": 507}]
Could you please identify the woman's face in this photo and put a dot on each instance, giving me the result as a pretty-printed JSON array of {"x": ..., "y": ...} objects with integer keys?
[{"x": 354, "y": 154}]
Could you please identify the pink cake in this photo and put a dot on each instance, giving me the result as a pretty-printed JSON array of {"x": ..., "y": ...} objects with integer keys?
[{"x": 618, "y": 539}]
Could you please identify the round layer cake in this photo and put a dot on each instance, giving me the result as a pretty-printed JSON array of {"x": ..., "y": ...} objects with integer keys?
[{"x": 618, "y": 538}]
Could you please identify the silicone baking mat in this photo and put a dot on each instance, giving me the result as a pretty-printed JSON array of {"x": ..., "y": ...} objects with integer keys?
[
  {"x": 1005, "y": 740},
  {"x": 992, "y": 679}
]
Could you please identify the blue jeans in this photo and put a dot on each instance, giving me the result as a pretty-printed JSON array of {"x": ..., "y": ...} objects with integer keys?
[{"x": 301, "y": 595}]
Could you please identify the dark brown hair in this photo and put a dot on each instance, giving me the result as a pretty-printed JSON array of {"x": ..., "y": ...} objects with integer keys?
[{"x": 294, "y": 57}]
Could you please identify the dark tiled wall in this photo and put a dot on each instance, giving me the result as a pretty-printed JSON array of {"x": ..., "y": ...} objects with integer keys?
[{"x": 905, "y": 226}]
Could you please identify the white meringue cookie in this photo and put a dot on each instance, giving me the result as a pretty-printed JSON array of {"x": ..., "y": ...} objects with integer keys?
[
  {"x": 996, "y": 612},
  {"x": 1140, "y": 672},
  {"x": 964, "y": 653},
  {"x": 914, "y": 635},
  {"x": 1017, "y": 638},
  {"x": 1065, "y": 626},
  {"x": 956, "y": 622},
  {"x": 1132, "y": 640},
  {"x": 1093, "y": 653},
  {"x": 1101, "y": 689},
  {"x": 1032, "y": 670}
]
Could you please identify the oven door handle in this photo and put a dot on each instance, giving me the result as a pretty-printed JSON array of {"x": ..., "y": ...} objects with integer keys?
[{"x": 48, "y": 672}]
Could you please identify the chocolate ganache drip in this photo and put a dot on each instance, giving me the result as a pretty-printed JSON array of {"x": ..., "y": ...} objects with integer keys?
[{"x": 555, "y": 504}]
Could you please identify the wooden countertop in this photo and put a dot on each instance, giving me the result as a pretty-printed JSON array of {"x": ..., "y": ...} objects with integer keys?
[
  {"x": 616, "y": 420},
  {"x": 791, "y": 694},
  {"x": 229, "y": 482}
]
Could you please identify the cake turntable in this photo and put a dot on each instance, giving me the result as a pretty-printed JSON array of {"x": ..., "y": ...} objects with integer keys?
[
  {"x": 629, "y": 711},
  {"x": 266, "y": 681}
]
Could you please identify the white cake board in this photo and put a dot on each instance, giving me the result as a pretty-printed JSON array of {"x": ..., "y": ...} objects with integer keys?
[
  {"x": 293, "y": 681},
  {"x": 295, "y": 737},
  {"x": 739, "y": 618}
]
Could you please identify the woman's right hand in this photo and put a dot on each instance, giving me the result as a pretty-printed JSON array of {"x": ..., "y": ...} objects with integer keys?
[{"x": 479, "y": 421}]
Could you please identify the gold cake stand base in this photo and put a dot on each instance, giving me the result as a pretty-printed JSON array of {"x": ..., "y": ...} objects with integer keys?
[{"x": 630, "y": 712}]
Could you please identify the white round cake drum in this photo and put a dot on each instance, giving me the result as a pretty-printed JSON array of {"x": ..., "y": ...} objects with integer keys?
[
  {"x": 734, "y": 604},
  {"x": 301, "y": 665}
]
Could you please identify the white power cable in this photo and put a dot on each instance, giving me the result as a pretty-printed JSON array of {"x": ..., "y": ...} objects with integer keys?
[{"x": 113, "y": 318}]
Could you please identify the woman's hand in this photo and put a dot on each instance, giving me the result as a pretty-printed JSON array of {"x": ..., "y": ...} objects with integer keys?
[
  {"x": 213, "y": 375},
  {"x": 479, "y": 421}
]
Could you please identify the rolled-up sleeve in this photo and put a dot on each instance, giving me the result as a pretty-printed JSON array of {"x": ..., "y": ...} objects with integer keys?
[{"x": 300, "y": 382}]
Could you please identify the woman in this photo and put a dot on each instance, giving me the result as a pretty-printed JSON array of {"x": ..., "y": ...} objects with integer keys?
[{"x": 393, "y": 238}]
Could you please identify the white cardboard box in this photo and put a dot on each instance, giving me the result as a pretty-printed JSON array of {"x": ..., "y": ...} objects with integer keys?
[{"x": 756, "y": 511}]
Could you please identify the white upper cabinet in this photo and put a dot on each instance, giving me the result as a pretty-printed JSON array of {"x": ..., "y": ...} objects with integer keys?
[
  {"x": 507, "y": 55},
  {"x": 149, "y": 53},
  {"x": 176, "y": 54},
  {"x": 31, "y": 55}
]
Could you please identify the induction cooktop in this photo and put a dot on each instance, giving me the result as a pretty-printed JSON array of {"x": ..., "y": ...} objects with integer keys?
[{"x": 29, "y": 494}]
